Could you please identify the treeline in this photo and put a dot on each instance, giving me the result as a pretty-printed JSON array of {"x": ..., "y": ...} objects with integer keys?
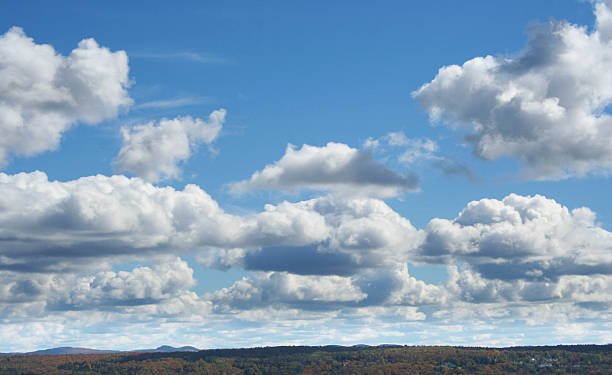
[{"x": 584, "y": 359}]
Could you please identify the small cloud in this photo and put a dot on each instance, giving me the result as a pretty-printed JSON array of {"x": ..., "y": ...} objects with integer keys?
[
  {"x": 371, "y": 143},
  {"x": 154, "y": 151}
]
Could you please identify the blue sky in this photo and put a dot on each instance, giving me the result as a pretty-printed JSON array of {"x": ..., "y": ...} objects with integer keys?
[{"x": 258, "y": 173}]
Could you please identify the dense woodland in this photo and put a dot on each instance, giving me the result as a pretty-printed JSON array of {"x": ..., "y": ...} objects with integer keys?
[{"x": 572, "y": 359}]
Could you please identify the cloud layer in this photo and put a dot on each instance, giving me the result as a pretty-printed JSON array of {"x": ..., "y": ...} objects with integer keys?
[
  {"x": 333, "y": 167},
  {"x": 545, "y": 106},
  {"x": 154, "y": 151},
  {"x": 340, "y": 259},
  {"x": 42, "y": 93}
]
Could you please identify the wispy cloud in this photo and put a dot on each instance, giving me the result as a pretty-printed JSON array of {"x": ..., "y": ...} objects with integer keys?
[
  {"x": 173, "y": 103},
  {"x": 185, "y": 56}
]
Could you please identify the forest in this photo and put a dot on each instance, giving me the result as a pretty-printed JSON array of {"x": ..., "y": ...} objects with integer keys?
[{"x": 561, "y": 359}]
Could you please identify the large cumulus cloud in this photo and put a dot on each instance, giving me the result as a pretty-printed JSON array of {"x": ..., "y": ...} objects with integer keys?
[
  {"x": 154, "y": 151},
  {"x": 333, "y": 167},
  {"x": 43, "y": 93},
  {"x": 355, "y": 234},
  {"x": 545, "y": 106},
  {"x": 521, "y": 237},
  {"x": 51, "y": 225},
  {"x": 60, "y": 240}
]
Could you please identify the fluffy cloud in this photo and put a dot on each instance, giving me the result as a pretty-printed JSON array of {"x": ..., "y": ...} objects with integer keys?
[
  {"x": 521, "y": 237},
  {"x": 154, "y": 151},
  {"x": 51, "y": 225},
  {"x": 270, "y": 288},
  {"x": 593, "y": 291},
  {"x": 395, "y": 286},
  {"x": 47, "y": 225},
  {"x": 59, "y": 240},
  {"x": 376, "y": 287},
  {"x": 333, "y": 167},
  {"x": 344, "y": 236},
  {"x": 42, "y": 93},
  {"x": 544, "y": 106},
  {"x": 152, "y": 290},
  {"x": 142, "y": 285}
]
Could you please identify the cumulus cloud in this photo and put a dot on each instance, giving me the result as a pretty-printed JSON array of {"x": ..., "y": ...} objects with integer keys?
[
  {"x": 51, "y": 225},
  {"x": 545, "y": 106},
  {"x": 154, "y": 151},
  {"x": 571, "y": 297},
  {"x": 391, "y": 286},
  {"x": 60, "y": 239},
  {"x": 521, "y": 237},
  {"x": 144, "y": 289},
  {"x": 350, "y": 235},
  {"x": 333, "y": 167},
  {"x": 42, "y": 93},
  {"x": 270, "y": 288},
  {"x": 142, "y": 285},
  {"x": 47, "y": 225},
  {"x": 395, "y": 286}
]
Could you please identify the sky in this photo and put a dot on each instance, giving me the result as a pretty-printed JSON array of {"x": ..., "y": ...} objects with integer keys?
[{"x": 239, "y": 174}]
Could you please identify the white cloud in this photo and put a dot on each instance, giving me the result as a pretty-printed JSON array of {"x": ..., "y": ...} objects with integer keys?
[
  {"x": 43, "y": 94},
  {"x": 327, "y": 235},
  {"x": 413, "y": 149},
  {"x": 407, "y": 290},
  {"x": 59, "y": 240},
  {"x": 333, "y": 167},
  {"x": 544, "y": 106},
  {"x": 521, "y": 237},
  {"x": 390, "y": 287},
  {"x": 51, "y": 225},
  {"x": 154, "y": 151},
  {"x": 159, "y": 290},
  {"x": 270, "y": 288},
  {"x": 142, "y": 285}
]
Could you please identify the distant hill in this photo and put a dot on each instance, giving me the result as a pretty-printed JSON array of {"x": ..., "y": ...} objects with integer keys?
[{"x": 72, "y": 350}]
